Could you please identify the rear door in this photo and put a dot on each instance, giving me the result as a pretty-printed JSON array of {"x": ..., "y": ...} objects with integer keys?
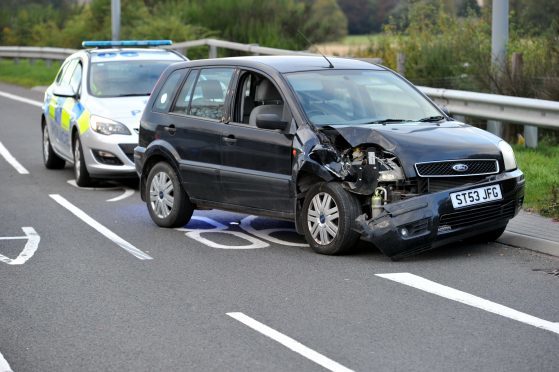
[
  {"x": 256, "y": 162},
  {"x": 196, "y": 129}
]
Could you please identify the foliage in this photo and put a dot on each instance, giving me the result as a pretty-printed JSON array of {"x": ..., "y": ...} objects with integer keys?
[
  {"x": 28, "y": 74},
  {"x": 541, "y": 170}
]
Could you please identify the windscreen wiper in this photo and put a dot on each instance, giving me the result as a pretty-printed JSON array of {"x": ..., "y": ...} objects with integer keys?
[
  {"x": 386, "y": 121},
  {"x": 432, "y": 119},
  {"x": 134, "y": 95}
]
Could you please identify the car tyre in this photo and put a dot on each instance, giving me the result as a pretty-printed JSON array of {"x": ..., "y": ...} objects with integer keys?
[
  {"x": 80, "y": 170},
  {"x": 50, "y": 159},
  {"x": 168, "y": 204},
  {"x": 329, "y": 212}
]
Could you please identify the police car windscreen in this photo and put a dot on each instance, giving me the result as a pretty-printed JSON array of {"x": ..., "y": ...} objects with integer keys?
[{"x": 124, "y": 78}]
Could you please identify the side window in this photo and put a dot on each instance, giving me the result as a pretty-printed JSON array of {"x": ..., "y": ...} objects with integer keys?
[
  {"x": 68, "y": 71},
  {"x": 257, "y": 95},
  {"x": 76, "y": 79},
  {"x": 208, "y": 98},
  {"x": 183, "y": 100},
  {"x": 165, "y": 96}
]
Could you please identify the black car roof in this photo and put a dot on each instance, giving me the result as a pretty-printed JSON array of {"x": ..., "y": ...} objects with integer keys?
[{"x": 284, "y": 64}]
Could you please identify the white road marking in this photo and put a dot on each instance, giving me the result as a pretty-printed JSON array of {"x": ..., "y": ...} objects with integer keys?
[
  {"x": 126, "y": 191},
  {"x": 10, "y": 159},
  {"x": 4, "y": 366},
  {"x": 220, "y": 228},
  {"x": 21, "y": 99},
  {"x": 266, "y": 234},
  {"x": 469, "y": 299},
  {"x": 100, "y": 228},
  {"x": 289, "y": 343},
  {"x": 33, "y": 240}
]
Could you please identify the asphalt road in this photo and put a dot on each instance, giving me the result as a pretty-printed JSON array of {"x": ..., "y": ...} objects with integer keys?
[{"x": 115, "y": 292}]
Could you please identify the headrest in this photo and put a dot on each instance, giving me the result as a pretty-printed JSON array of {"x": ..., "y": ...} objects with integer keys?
[{"x": 266, "y": 91}]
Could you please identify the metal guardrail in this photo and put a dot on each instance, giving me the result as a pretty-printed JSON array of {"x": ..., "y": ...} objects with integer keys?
[
  {"x": 46, "y": 53},
  {"x": 497, "y": 107}
]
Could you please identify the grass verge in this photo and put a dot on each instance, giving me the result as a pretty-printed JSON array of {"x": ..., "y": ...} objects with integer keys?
[
  {"x": 541, "y": 169},
  {"x": 28, "y": 74}
]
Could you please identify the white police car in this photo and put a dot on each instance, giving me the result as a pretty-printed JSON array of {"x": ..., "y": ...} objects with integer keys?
[{"x": 92, "y": 110}]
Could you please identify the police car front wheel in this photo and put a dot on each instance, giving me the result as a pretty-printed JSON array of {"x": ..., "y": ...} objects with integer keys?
[
  {"x": 50, "y": 159},
  {"x": 80, "y": 170}
]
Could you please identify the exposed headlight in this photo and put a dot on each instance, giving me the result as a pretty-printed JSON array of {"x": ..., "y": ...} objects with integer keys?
[
  {"x": 107, "y": 126},
  {"x": 508, "y": 155}
]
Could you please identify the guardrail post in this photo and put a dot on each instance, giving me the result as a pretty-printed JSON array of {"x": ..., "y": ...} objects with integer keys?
[
  {"x": 48, "y": 62},
  {"x": 495, "y": 127},
  {"x": 401, "y": 63},
  {"x": 213, "y": 51}
]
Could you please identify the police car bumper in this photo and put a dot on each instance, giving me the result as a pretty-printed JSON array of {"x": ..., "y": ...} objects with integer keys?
[
  {"x": 109, "y": 156},
  {"x": 428, "y": 221}
]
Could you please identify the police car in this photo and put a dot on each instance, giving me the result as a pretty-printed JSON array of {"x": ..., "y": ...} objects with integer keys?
[{"x": 92, "y": 110}]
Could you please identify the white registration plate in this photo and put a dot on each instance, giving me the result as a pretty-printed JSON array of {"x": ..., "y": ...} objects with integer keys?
[{"x": 476, "y": 196}]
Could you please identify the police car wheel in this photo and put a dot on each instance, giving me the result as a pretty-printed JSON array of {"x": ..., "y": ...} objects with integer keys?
[
  {"x": 329, "y": 212},
  {"x": 50, "y": 159},
  {"x": 80, "y": 170},
  {"x": 168, "y": 204}
]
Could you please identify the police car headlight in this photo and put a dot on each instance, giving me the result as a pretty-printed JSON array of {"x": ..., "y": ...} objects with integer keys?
[
  {"x": 107, "y": 126},
  {"x": 508, "y": 155}
]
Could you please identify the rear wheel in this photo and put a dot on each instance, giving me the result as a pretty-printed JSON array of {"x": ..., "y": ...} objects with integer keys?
[
  {"x": 50, "y": 159},
  {"x": 168, "y": 204},
  {"x": 329, "y": 212},
  {"x": 80, "y": 170}
]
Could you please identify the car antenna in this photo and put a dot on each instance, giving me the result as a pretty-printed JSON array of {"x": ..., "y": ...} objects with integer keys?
[{"x": 330, "y": 65}]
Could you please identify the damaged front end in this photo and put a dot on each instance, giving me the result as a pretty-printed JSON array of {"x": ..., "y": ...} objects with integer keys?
[{"x": 404, "y": 213}]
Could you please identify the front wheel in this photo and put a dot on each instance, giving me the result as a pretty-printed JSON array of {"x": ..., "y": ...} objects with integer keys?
[
  {"x": 329, "y": 212},
  {"x": 167, "y": 202},
  {"x": 50, "y": 159},
  {"x": 80, "y": 170}
]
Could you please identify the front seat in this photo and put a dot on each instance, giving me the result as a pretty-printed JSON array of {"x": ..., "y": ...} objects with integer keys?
[{"x": 268, "y": 100}]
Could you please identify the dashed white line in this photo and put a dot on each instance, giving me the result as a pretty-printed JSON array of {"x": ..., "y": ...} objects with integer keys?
[
  {"x": 33, "y": 240},
  {"x": 290, "y": 343},
  {"x": 10, "y": 159},
  {"x": 21, "y": 99},
  {"x": 4, "y": 366},
  {"x": 100, "y": 228},
  {"x": 469, "y": 299}
]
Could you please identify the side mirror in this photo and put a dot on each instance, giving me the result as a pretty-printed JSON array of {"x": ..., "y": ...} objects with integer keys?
[
  {"x": 270, "y": 121},
  {"x": 64, "y": 91},
  {"x": 445, "y": 110}
]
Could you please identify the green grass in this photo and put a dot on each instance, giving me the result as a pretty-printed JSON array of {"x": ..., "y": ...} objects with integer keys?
[
  {"x": 28, "y": 74},
  {"x": 541, "y": 169}
]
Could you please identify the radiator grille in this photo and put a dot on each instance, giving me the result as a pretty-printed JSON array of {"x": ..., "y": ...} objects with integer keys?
[
  {"x": 457, "y": 168},
  {"x": 436, "y": 184}
]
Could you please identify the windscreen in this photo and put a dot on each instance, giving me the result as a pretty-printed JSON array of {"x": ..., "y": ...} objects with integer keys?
[
  {"x": 124, "y": 78},
  {"x": 341, "y": 97}
]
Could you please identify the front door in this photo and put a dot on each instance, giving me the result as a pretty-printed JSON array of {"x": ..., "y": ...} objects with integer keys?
[{"x": 256, "y": 162}]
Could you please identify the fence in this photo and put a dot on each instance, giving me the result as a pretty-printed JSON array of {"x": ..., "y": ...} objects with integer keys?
[{"x": 533, "y": 113}]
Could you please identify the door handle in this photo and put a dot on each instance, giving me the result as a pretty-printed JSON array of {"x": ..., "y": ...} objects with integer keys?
[
  {"x": 171, "y": 129},
  {"x": 229, "y": 139}
]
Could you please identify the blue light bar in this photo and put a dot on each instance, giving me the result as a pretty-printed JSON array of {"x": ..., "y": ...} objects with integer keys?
[{"x": 124, "y": 43}]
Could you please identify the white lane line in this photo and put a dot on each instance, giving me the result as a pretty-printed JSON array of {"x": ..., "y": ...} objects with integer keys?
[
  {"x": 4, "y": 366},
  {"x": 289, "y": 343},
  {"x": 100, "y": 228},
  {"x": 21, "y": 99},
  {"x": 10, "y": 159},
  {"x": 127, "y": 193},
  {"x": 33, "y": 240},
  {"x": 469, "y": 299}
]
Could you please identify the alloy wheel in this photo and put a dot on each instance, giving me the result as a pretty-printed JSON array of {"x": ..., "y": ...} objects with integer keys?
[
  {"x": 161, "y": 194},
  {"x": 322, "y": 218}
]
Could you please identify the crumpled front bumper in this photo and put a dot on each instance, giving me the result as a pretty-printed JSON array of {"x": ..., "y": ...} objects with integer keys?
[{"x": 428, "y": 221}]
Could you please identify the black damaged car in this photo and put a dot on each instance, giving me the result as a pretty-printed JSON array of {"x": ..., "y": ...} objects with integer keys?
[{"x": 343, "y": 148}]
